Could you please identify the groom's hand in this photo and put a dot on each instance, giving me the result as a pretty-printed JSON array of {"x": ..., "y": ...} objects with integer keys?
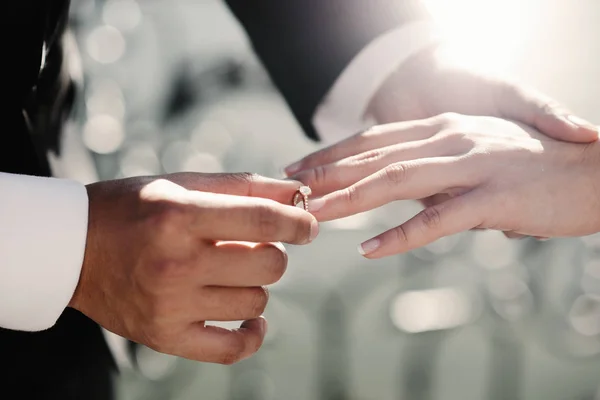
[{"x": 161, "y": 259}]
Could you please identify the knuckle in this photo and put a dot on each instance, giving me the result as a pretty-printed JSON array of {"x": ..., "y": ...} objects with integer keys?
[
  {"x": 167, "y": 218},
  {"x": 431, "y": 217},
  {"x": 552, "y": 107},
  {"x": 167, "y": 270},
  {"x": 352, "y": 195},
  {"x": 396, "y": 174},
  {"x": 247, "y": 180},
  {"x": 245, "y": 177},
  {"x": 368, "y": 156},
  {"x": 459, "y": 140},
  {"x": 401, "y": 235},
  {"x": 319, "y": 175},
  {"x": 449, "y": 118},
  {"x": 266, "y": 220}
]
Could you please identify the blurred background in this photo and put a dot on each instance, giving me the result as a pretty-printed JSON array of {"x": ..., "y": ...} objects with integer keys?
[{"x": 173, "y": 86}]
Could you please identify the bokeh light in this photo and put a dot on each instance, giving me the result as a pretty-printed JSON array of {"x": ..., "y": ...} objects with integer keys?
[
  {"x": 105, "y": 44},
  {"x": 124, "y": 15},
  {"x": 154, "y": 365},
  {"x": 431, "y": 310},
  {"x": 104, "y": 96},
  {"x": 492, "y": 250},
  {"x": 140, "y": 160},
  {"x": 202, "y": 162},
  {"x": 486, "y": 35},
  {"x": 211, "y": 136},
  {"x": 103, "y": 134},
  {"x": 585, "y": 315}
]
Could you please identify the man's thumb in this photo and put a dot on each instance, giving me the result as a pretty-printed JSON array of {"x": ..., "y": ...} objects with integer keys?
[{"x": 543, "y": 113}]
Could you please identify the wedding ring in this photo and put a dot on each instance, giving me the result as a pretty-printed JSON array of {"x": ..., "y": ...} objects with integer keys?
[{"x": 301, "y": 197}]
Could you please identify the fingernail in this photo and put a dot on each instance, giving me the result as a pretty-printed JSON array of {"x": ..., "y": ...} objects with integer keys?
[
  {"x": 541, "y": 238},
  {"x": 314, "y": 230},
  {"x": 281, "y": 174},
  {"x": 280, "y": 246},
  {"x": 580, "y": 122},
  {"x": 315, "y": 205},
  {"x": 292, "y": 169},
  {"x": 369, "y": 246},
  {"x": 264, "y": 326}
]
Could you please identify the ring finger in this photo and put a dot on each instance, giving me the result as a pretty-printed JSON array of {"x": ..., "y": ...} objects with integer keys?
[
  {"x": 374, "y": 138},
  {"x": 327, "y": 178},
  {"x": 400, "y": 181}
]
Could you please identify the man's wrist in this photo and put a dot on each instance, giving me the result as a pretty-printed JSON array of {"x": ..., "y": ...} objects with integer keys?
[{"x": 91, "y": 244}]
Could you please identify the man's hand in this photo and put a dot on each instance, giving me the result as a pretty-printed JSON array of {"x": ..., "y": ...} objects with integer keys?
[
  {"x": 429, "y": 84},
  {"x": 161, "y": 259},
  {"x": 481, "y": 172}
]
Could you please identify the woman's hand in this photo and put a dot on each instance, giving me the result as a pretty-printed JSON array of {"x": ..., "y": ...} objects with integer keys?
[
  {"x": 472, "y": 172},
  {"x": 430, "y": 83}
]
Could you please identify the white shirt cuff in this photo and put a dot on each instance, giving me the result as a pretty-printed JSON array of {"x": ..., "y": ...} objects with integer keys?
[
  {"x": 43, "y": 230},
  {"x": 342, "y": 113}
]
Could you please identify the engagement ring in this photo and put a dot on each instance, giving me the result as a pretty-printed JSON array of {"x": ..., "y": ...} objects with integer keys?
[{"x": 301, "y": 197}]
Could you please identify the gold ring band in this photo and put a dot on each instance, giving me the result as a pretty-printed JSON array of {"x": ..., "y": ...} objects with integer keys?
[{"x": 301, "y": 196}]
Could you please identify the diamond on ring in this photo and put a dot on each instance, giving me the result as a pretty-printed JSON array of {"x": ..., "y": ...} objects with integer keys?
[{"x": 301, "y": 197}]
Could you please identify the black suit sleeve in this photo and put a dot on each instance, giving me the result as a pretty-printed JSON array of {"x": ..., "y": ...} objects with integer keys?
[{"x": 306, "y": 44}]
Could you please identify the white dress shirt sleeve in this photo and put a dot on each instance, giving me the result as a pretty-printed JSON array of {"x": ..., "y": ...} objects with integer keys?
[
  {"x": 43, "y": 230},
  {"x": 342, "y": 112}
]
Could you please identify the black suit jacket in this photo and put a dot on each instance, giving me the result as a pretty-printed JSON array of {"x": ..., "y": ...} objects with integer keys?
[{"x": 304, "y": 44}]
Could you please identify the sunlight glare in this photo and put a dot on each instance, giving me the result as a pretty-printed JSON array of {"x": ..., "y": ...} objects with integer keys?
[{"x": 484, "y": 34}]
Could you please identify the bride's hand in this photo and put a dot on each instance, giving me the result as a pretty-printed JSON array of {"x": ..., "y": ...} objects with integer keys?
[{"x": 473, "y": 172}]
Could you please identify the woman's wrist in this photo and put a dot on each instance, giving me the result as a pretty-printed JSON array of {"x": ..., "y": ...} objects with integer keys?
[{"x": 397, "y": 99}]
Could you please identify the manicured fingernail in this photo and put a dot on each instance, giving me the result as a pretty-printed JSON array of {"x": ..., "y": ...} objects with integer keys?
[
  {"x": 281, "y": 174},
  {"x": 292, "y": 169},
  {"x": 580, "y": 122},
  {"x": 315, "y": 205},
  {"x": 369, "y": 246},
  {"x": 314, "y": 230}
]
